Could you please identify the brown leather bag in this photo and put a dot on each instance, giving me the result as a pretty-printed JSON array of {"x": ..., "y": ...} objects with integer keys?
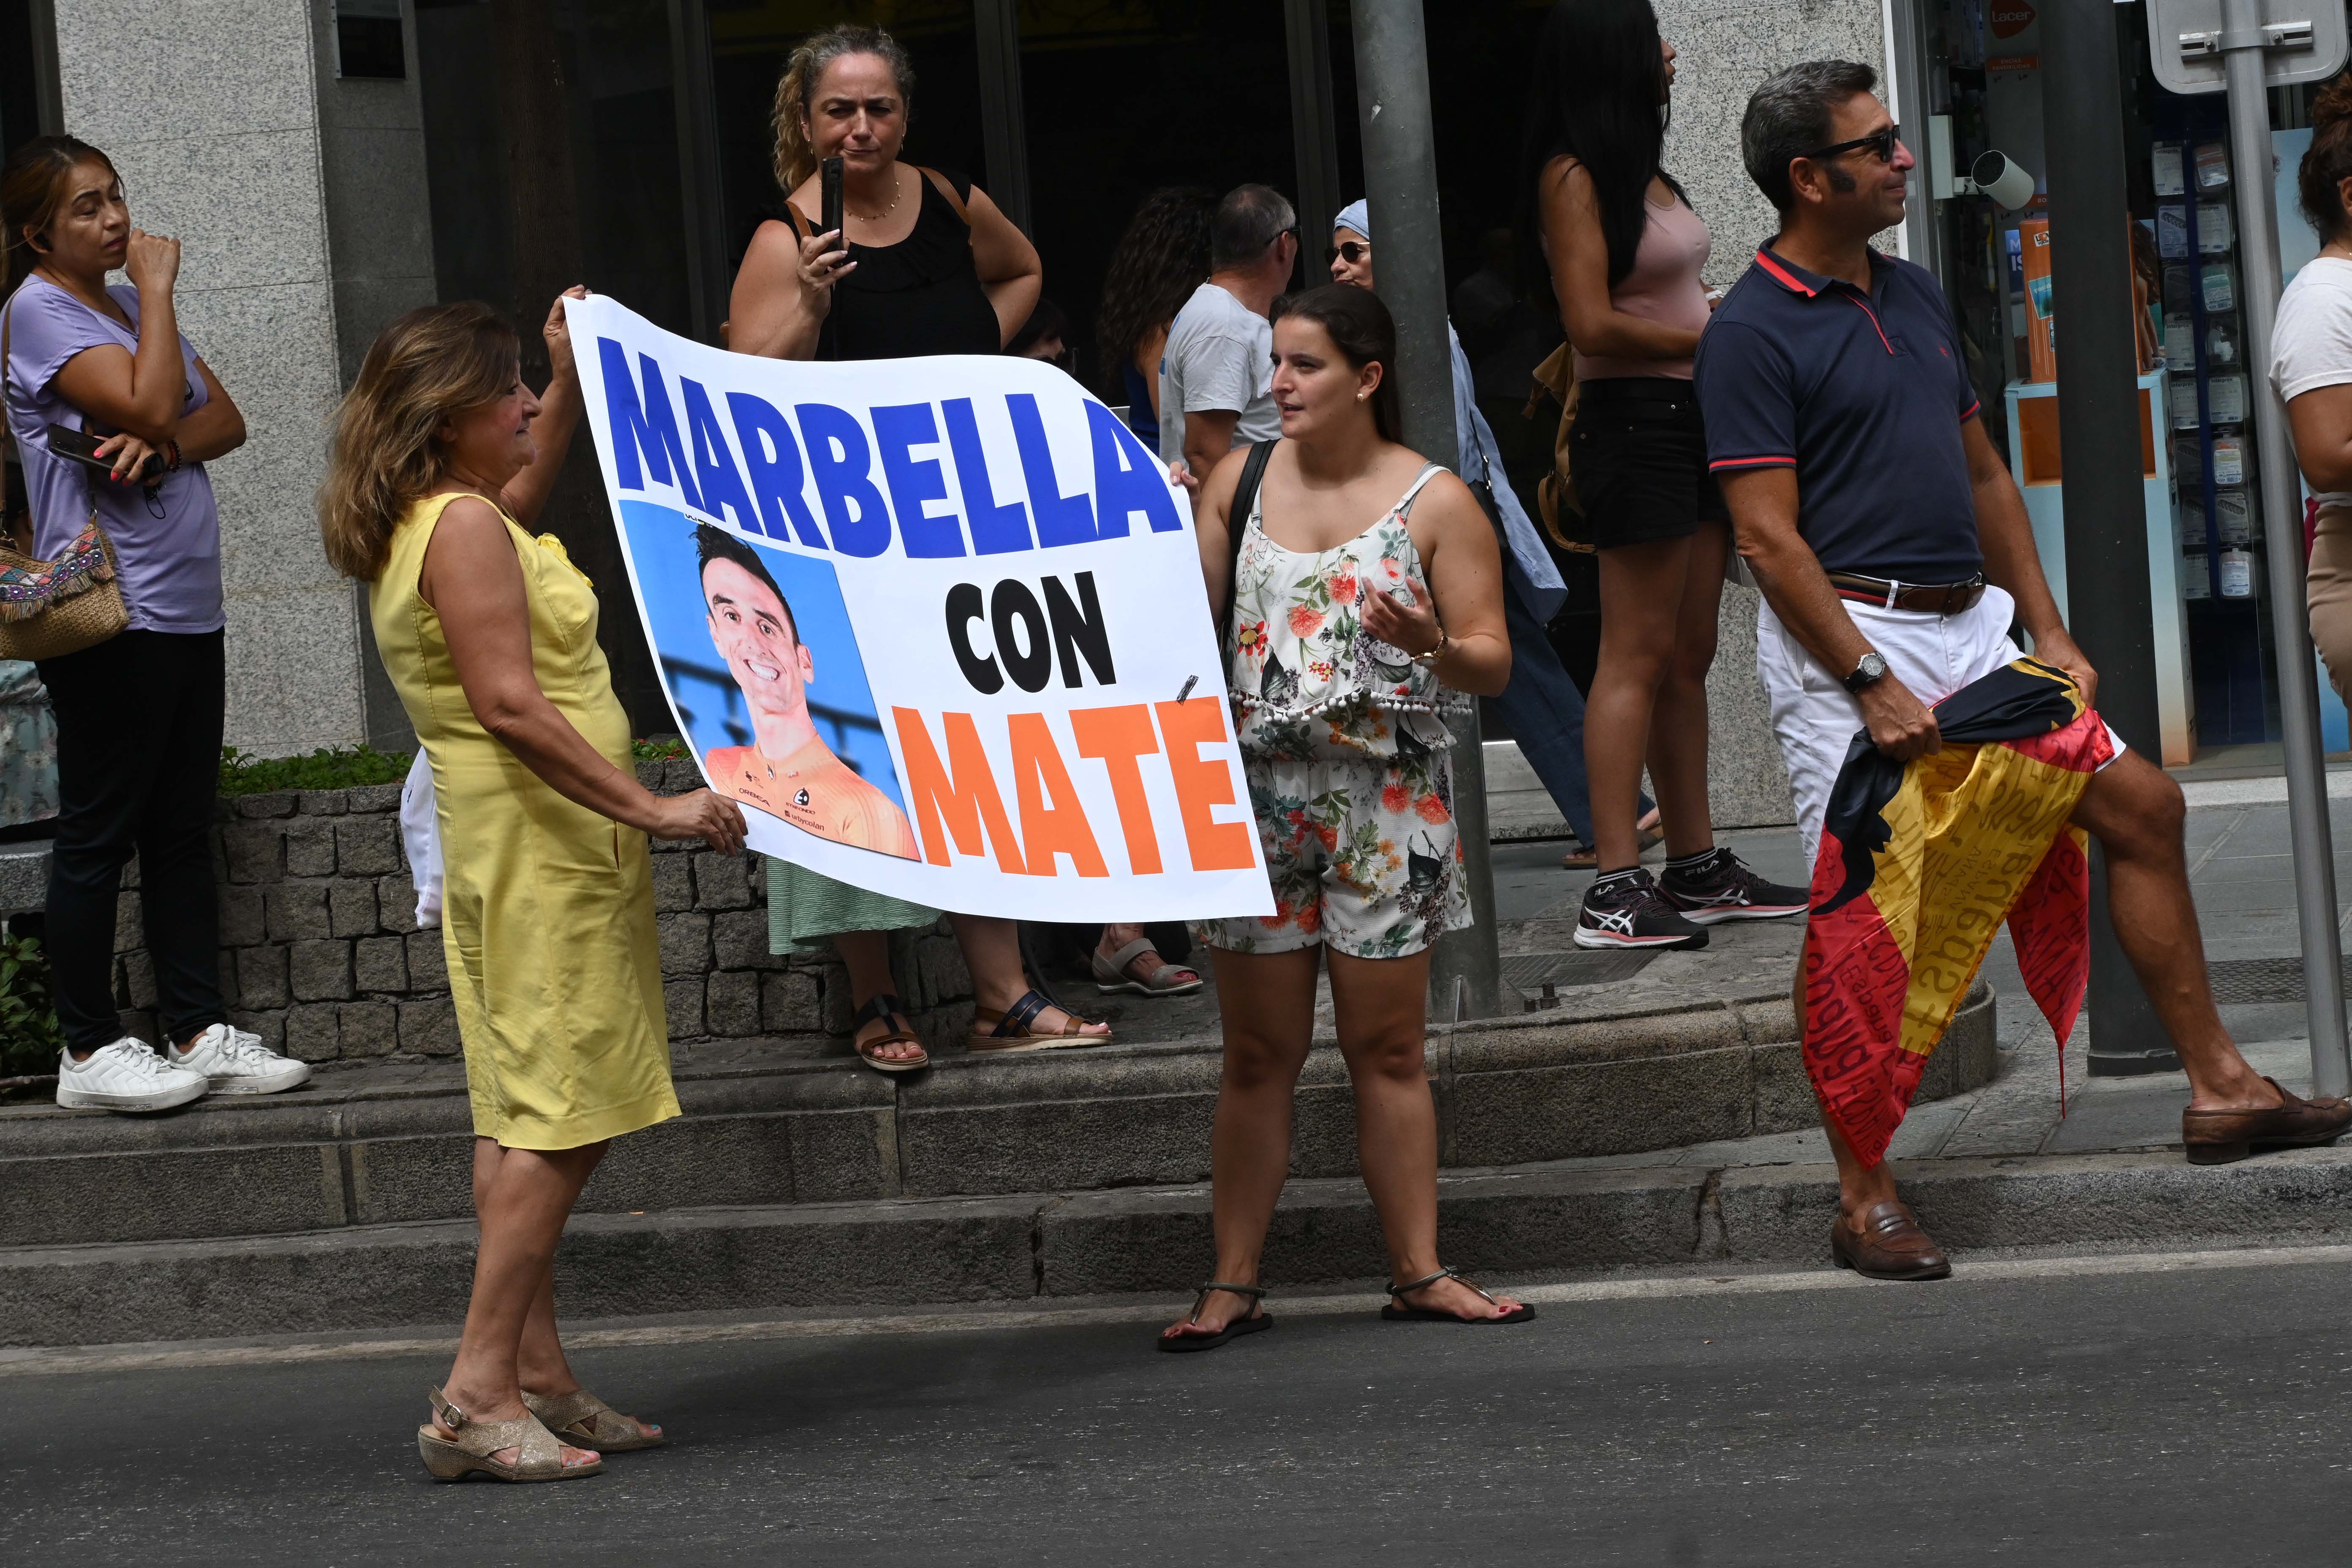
[
  {"x": 1556, "y": 503},
  {"x": 50, "y": 608}
]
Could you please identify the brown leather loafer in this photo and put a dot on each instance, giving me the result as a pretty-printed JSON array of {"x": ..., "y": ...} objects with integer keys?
[
  {"x": 2218, "y": 1137},
  {"x": 1890, "y": 1245}
]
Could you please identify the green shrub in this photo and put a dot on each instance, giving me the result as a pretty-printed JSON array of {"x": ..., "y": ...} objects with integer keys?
[
  {"x": 661, "y": 749},
  {"x": 336, "y": 767},
  {"x": 30, "y": 1038}
]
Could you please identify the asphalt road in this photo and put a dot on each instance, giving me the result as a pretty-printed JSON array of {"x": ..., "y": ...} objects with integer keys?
[{"x": 2193, "y": 1416}]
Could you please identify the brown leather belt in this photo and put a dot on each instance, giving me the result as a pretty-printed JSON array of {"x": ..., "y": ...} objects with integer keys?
[{"x": 1936, "y": 598}]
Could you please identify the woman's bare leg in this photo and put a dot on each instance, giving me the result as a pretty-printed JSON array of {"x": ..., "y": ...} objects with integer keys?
[
  {"x": 1678, "y": 748},
  {"x": 1640, "y": 602},
  {"x": 1266, "y": 1002}
]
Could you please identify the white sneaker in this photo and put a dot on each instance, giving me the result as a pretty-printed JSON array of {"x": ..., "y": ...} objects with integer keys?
[
  {"x": 236, "y": 1062},
  {"x": 125, "y": 1076}
]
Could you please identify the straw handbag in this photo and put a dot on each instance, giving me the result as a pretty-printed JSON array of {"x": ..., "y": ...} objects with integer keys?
[{"x": 48, "y": 608}]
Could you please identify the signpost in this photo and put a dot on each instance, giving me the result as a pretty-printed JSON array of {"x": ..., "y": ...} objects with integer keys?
[{"x": 2246, "y": 47}]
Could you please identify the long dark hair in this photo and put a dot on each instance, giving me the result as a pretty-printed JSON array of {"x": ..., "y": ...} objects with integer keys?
[
  {"x": 1598, "y": 94},
  {"x": 32, "y": 184},
  {"x": 1364, "y": 332},
  {"x": 1159, "y": 260}
]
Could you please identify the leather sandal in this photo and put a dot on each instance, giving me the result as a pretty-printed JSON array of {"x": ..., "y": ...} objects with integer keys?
[
  {"x": 1398, "y": 1312},
  {"x": 886, "y": 1007},
  {"x": 2220, "y": 1137},
  {"x": 1256, "y": 1320},
  {"x": 584, "y": 1421},
  {"x": 1011, "y": 1030},
  {"x": 538, "y": 1457},
  {"x": 1110, "y": 974}
]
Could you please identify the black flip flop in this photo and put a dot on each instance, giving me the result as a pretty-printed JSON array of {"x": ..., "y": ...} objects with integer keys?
[
  {"x": 1396, "y": 1311},
  {"x": 1257, "y": 1322}
]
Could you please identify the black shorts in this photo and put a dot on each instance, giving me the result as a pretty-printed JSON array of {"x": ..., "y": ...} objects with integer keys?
[{"x": 1638, "y": 454}]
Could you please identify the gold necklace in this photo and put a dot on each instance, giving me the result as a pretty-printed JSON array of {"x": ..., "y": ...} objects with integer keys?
[{"x": 885, "y": 212}]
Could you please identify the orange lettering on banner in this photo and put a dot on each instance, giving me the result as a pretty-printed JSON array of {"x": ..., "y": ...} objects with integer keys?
[
  {"x": 967, "y": 801},
  {"x": 1047, "y": 830},
  {"x": 1115, "y": 737},
  {"x": 1201, "y": 786}
]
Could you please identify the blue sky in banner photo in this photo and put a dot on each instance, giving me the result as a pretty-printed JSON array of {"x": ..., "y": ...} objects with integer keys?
[{"x": 661, "y": 542}]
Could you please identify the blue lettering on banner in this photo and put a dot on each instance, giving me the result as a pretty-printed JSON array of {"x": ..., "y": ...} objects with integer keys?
[
  {"x": 714, "y": 465},
  {"x": 647, "y": 426},
  {"x": 995, "y": 530},
  {"x": 1123, "y": 487},
  {"x": 845, "y": 483},
  {"x": 1061, "y": 519},
  {"x": 913, "y": 483},
  {"x": 772, "y": 456}
]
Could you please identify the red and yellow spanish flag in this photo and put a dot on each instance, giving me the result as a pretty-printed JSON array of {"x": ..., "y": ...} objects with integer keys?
[{"x": 1919, "y": 864}]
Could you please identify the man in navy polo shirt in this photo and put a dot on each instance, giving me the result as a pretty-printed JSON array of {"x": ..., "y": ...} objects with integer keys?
[{"x": 1894, "y": 553}]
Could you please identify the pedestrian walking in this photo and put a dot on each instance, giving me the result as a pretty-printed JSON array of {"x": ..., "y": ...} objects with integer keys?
[
  {"x": 139, "y": 715},
  {"x": 1216, "y": 372},
  {"x": 2311, "y": 368},
  {"x": 1365, "y": 593},
  {"x": 1542, "y": 704},
  {"x": 1160, "y": 259},
  {"x": 929, "y": 266},
  {"x": 1894, "y": 555},
  {"x": 441, "y": 455},
  {"x": 1625, "y": 252}
]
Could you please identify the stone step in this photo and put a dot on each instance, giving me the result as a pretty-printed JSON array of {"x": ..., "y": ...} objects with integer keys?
[
  {"x": 1497, "y": 1223},
  {"x": 767, "y": 1126}
]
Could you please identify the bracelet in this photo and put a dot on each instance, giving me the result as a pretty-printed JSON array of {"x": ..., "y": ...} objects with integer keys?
[
  {"x": 172, "y": 462},
  {"x": 1429, "y": 660}
]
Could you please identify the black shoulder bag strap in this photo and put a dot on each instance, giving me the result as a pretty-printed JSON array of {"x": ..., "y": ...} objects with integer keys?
[{"x": 1237, "y": 517}]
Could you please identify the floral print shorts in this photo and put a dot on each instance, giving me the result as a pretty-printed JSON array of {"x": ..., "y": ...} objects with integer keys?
[{"x": 1363, "y": 854}]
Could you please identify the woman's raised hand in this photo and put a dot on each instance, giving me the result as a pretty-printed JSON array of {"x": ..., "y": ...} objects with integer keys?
[
  {"x": 699, "y": 813},
  {"x": 558, "y": 333},
  {"x": 153, "y": 262},
  {"x": 824, "y": 261},
  {"x": 1414, "y": 629}
]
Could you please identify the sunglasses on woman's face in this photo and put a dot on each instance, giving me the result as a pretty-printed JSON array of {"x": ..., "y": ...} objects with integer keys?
[
  {"x": 1881, "y": 143},
  {"x": 1352, "y": 252}
]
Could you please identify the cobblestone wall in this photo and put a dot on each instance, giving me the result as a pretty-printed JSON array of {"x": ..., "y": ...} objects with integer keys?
[{"x": 320, "y": 953}]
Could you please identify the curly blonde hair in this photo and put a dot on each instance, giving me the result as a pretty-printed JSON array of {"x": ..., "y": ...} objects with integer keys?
[
  {"x": 431, "y": 363},
  {"x": 794, "y": 162}
]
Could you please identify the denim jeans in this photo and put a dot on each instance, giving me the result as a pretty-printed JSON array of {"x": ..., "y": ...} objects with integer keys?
[{"x": 1545, "y": 710}]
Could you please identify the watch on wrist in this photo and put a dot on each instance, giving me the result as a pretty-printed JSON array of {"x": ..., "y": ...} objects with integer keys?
[
  {"x": 1429, "y": 660},
  {"x": 1867, "y": 672}
]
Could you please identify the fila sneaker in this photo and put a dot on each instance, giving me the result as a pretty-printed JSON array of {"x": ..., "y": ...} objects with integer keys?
[
  {"x": 235, "y": 1062},
  {"x": 1625, "y": 908},
  {"x": 125, "y": 1076},
  {"x": 1716, "y": 885}
]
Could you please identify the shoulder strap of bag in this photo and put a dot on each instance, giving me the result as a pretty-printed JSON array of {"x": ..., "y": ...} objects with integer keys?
[
  {"x": 1237, "y": 517},
  {"x": 947, "y": 188}
]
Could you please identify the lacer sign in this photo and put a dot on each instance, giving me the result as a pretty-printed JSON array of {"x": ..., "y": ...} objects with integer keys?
[{"x": 937, "y": 624}]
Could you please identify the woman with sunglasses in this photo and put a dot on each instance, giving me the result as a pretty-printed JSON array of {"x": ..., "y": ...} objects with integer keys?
[{"x": 1625, "y": 252}]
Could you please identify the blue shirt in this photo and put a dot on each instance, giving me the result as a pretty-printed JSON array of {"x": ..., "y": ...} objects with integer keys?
[
  {"x": 1864, "y": 396},
  {"x": 1537, "y": 580}
]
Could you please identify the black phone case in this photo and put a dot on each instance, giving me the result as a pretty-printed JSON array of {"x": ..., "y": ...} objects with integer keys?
[
  {"x": 81, "y": 447},
  {"x": 829, "y": 195}
]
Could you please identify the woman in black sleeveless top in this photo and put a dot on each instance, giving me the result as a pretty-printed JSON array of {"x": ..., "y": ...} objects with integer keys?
[{"x": 930, "y": 266}]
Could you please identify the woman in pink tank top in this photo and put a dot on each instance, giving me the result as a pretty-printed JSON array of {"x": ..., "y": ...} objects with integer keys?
[{"x": 1626, "y": 253}]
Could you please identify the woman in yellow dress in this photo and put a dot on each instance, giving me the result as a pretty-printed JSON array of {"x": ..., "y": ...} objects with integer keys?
[{"x": 548, "y": 914}]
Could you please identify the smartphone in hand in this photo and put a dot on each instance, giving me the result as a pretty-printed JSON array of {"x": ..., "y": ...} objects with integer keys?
[{"x": 828, "y": 178}]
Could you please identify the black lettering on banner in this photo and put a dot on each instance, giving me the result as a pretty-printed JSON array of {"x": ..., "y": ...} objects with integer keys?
[
  {"x": 1079, "y": 628},
  {"x": 963, "y": 608},
  {"x": 1028, "y": 659}
]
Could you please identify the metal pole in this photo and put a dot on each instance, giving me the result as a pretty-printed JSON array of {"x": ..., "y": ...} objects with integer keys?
[
  {"x": 2099, "y": 438},
  {"x": 1401, "y": 181},
  {"x": 2307, "y": 776}
]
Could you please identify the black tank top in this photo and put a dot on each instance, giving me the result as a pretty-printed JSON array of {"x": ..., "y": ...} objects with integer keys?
[{"x": 921, "y": 295}]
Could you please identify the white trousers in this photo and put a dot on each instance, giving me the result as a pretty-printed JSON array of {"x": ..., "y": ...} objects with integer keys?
[{"x": 1815, "y": 717}]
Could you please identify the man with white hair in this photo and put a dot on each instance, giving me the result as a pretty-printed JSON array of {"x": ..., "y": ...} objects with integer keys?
[{"x": 1216, "y": 374}]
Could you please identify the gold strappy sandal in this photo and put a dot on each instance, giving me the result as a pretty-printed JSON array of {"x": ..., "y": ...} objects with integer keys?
[
  {"x": 539, "y": 1457},
  {"x": 584, "y": 1421}
]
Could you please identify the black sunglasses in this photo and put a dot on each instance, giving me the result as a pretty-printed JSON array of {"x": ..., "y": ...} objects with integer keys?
[
  {"x": 1880, "y": 142},
  {"x": 1354, "y": 250}
]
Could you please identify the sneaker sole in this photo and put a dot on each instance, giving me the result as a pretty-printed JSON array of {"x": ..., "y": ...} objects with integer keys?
[
  {"x": 1599, "y": 938},
  {"x": 88, "y": 1099},
  {"x": 1741, "y": 913},
  {"x": 277, "y": 1084}
]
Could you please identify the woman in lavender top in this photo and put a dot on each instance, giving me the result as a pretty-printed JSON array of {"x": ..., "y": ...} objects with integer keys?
[{"x": 139, "y": 715}]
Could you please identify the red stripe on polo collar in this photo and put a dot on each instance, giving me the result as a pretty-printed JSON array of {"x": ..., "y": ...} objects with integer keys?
[{"x": 1781, "y": 275}]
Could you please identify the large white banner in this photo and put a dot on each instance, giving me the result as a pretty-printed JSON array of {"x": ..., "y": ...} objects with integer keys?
[{"x": 937, "y": 624}]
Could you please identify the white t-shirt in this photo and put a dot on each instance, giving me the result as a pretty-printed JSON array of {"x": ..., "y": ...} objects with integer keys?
[
  {"x": 1220, "y": 355},
  {"x": 2311, "y": 345}
]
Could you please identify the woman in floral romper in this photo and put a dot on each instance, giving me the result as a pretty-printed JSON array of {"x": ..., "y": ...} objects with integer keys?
[{"x": 1347, "y": 643}]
